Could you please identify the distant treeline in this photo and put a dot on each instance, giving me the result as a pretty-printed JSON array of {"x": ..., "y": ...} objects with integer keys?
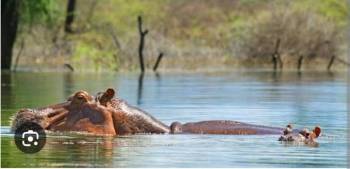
[{"x": 195, "y": 34}]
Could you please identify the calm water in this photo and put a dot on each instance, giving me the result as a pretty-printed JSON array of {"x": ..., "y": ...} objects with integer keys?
[{"x": 255, "y": 97}]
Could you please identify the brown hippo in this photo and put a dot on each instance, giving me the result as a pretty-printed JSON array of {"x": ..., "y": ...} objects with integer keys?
[
  {"x": 104, "y": 115},
  {"x": 107, "y": 115}
]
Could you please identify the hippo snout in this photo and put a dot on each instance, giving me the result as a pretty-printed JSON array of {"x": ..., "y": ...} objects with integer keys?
[{"x": 26, "y": 115}]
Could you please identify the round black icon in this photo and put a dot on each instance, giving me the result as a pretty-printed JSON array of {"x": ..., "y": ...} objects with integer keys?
[{"x": 30, "y": 137}]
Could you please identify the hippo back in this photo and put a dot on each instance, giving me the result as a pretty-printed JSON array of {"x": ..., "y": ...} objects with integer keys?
[{"x": 138, "y": 121}]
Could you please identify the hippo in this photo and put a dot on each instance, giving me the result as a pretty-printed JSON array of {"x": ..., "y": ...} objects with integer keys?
[
  {"x": 100, "y": 115},
  {"x": 106, "y": 114},
  {"x": 301, "y": 136}
]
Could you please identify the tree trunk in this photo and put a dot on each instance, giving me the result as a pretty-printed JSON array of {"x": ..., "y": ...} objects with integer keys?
[
  {"x": 300, "y": 62},
  {"x": 274, "y": 61},
  {"x": 330, "y": 63},
  {"x": 142, "y": 42},
  {"x": 276, "y": 56},
  {"x": 158, "y": 61},
  {"x": 70, "y": 16},
  {"x": 9, "y": 24}
]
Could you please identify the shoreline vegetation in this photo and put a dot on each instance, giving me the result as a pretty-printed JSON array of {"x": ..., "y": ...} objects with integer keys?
[{"x": 192, "y": 35}]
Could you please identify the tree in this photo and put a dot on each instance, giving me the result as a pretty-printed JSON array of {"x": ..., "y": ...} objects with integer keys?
[
  {"x": 70, "y": 16},
  {"x": 9, "y": 24}
]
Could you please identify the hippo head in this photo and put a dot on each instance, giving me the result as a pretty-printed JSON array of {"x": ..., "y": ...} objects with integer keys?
[
  {"x": 175, "y": 127},
  {"x": 81, "y": 112}
]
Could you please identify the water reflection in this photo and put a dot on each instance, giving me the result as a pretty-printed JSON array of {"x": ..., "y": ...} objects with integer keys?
[
  {"x": 97, "y": 150},
  {"x": 299, "y": 144},
  {"x": 83, "y": 152},
  {"x": 7, "y": 95},
  {"x": 276, "y": 76},
  {"x": 157, "y": 76},
  {"x": 68, "y": 83},
  {"x": 140, "y": 88}
]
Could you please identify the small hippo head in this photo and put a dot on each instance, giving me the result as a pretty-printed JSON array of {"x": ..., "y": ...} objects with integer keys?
[
  {"x": 81, "y": 112},
  {"x": 175, "y": 127}
]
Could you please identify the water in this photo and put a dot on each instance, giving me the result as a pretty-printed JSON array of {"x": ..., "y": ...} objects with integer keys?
[{"x": 262, "y": 98}]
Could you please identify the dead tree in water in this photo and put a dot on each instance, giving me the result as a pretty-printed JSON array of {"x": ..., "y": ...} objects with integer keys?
[
  {"x": 158, "y": 61},
  {"x": 142, "y": 42},
  {"x": 334, "y": 58},
  {"x": 300, "y": 62},
  {"x": 69, "y": 67},
  {"x": 276, "y": 57},
  {"x": 140, "y": 88},
  {"x": 331, "y": 62}
]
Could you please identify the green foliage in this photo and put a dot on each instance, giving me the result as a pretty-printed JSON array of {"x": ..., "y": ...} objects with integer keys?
[
  {"x": 40, "y": 12},
  {"x": 87, "y": 55},
  {"x": 123, "y": 14},
  {"x": 336, "y": 11}
]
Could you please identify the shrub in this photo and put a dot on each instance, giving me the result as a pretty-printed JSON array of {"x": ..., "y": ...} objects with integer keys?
[{"x": 300, "y": 32}]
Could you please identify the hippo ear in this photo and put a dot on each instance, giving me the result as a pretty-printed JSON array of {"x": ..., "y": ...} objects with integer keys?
[
  {"x": 110, "y": 92},
  {"x": 317, "y": 131},
  {"x": 107, "y": 96}
]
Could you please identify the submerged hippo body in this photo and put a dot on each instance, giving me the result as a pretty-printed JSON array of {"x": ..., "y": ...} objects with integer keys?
[
  {"x": 106, "y": 115},
  {"x": 223, "y": 127}
]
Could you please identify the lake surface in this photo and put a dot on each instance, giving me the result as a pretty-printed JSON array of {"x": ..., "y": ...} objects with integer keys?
[{"x": 266, "y": 98}]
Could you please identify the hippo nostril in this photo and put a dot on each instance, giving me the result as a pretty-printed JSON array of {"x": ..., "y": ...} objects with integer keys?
[{"x": 52, "y": 114}]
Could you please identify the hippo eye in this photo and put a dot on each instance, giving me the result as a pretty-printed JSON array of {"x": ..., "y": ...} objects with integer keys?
[{"x": 81, "y": 97}]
